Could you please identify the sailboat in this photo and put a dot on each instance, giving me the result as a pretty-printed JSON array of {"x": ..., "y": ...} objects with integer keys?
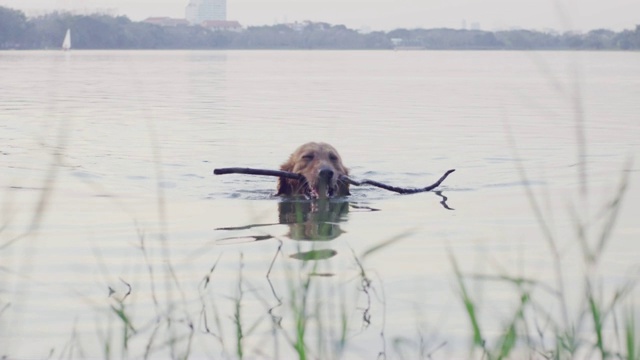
[{"x": 66, "y": 44}]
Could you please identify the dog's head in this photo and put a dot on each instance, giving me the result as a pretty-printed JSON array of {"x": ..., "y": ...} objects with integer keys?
[{"x": 321, "y": 166}]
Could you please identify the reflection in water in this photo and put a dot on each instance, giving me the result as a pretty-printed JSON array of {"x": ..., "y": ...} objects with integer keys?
[
  {"x": 315, "y": 254},
  {"x": 308, "y": 220},
  {"x": 313, "y": 220},
  {"x": 443, "y": 202}
]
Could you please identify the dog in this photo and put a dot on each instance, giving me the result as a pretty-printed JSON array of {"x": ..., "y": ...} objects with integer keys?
[{"x": 321, "y": 166}]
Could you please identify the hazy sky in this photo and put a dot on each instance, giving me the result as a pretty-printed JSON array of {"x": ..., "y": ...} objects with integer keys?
[{"x": 388, "y": 14}]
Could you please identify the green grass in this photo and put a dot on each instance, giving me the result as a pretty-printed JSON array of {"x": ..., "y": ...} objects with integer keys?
[{"x": 591, "y": 329}]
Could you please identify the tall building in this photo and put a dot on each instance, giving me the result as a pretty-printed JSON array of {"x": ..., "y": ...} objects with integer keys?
[{"x": 199, "y": 11}]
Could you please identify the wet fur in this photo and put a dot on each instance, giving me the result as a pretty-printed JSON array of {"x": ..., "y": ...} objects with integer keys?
[{"x": 308, "y": 160}]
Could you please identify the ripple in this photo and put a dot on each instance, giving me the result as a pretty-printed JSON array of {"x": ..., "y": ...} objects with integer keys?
[
  {"x": 515, "y": 184},
  {"x": 85, "y": 175}
]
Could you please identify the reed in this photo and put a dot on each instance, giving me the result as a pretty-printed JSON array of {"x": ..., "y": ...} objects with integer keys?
[{"x": 592, "y": 328}]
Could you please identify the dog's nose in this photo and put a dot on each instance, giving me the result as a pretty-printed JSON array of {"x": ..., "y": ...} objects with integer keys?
[{"x": 326, "y": 174}]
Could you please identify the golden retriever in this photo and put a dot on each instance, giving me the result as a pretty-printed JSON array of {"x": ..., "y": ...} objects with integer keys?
[{"x": 321, "y": 166}]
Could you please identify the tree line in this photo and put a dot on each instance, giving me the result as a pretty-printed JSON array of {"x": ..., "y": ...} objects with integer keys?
[{"x": 119, "y": 32}]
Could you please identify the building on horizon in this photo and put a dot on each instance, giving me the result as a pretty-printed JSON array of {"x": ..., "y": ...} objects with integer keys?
[{"x": 199, "y": 11}]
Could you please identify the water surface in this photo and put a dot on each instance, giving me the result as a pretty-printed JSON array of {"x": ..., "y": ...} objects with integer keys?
[{"x": 107, "y": 184}]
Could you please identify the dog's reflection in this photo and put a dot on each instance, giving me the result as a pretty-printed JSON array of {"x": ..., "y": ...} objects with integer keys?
[
  {"x": 308, "y": 220},
  {"x": 313, "y": 220}
]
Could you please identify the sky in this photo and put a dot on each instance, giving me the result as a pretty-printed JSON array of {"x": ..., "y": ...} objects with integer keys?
[{"x": 561, "y": 15}]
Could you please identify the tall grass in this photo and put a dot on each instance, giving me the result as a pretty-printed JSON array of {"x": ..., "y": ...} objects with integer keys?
[{"x": 586, "y": 329}]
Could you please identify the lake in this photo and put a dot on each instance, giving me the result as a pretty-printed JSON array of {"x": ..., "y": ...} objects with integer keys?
[{"x": 116, "y": 240}]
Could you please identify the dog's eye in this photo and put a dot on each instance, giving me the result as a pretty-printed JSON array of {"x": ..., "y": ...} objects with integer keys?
[
  {"x": 333, "y": 157},
  {"x": 308, "y": 157}
]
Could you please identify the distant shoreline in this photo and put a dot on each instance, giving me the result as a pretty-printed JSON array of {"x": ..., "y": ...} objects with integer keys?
[{"x": 103, "y": 32}]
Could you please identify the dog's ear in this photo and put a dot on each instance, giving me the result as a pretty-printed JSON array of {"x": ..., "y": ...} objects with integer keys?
[{"x": 284, "y": 185}]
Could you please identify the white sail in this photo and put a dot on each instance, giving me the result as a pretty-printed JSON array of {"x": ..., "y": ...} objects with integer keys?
[{"x": 66, "y": 44}]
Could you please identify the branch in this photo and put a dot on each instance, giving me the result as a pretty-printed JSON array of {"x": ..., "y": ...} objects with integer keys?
[
  {"x": 397, "y": 189},
  {"x": 249, "y": 171},
  {"x": 290, "y": 175}
]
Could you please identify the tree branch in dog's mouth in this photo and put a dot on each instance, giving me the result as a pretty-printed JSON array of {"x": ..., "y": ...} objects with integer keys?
[
  {"x": 250, "y": 171},
  {"x": 290, "y": 175},
  {"x": 398, "y": 189}
]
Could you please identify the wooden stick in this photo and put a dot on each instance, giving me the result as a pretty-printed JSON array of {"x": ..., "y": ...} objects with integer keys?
[
  {"x": 395, "y": 188},
  {"x": 249, "y": 171},
  {"x": 290, "y": 175}
]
